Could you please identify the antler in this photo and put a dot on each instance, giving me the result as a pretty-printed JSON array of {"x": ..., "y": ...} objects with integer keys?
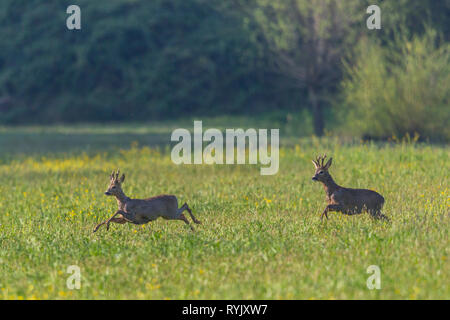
[
  {"x": 115, "y": 175},
  {"x": 323, "y": 160},
  {"x": 316, "y": 162},
  {"x": 319, "y": 162}
]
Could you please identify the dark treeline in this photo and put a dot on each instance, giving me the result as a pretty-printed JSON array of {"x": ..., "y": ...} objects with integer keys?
[{"x": 159, "y": 59}]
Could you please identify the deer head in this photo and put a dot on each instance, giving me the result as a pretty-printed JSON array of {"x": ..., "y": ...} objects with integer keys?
[
  {"x": 115, "y": 184},
  {"x": 321, "y": 173}
]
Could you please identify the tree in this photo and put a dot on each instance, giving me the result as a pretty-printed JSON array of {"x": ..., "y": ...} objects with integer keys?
[{"x": 308, "y": 40}]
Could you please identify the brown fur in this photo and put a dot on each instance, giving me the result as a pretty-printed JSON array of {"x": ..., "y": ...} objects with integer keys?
[
  {"x": 142, "y": 211},
  {"x": 346, "y": 200}
]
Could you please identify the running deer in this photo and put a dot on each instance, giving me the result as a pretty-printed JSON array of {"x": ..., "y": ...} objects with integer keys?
[
  {"x": 142, "y": 211},
  {"x": 346, "y": 200}
]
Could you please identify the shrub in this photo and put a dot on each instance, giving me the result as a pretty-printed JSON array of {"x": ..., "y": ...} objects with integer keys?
[{"x": 399, "y": 89}]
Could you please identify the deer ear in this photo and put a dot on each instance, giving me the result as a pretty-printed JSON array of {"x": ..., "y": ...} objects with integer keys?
[
  {"x": 122, "y": 178},
  {"x": 314, "y": 163},
  {"x": 328, "y": 164}
]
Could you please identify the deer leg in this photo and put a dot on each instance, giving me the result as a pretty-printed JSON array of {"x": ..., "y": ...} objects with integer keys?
[
  {"x": 182, "y": 217},
  {"x": 104, "y": 222},
  {"x": 112, "y": 219},
  {"x": 324, "y": 213},
  {"x": 186, "y": 207},
  {"x": 329, "y": 208},
  {"x": 178, "y": 215},
  {"x": 120, "y": 220},
  {"x": 376, "y": 214},
  {"x": 98, "y": 226}
]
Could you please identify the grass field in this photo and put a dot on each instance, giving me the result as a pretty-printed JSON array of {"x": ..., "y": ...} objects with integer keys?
[{"x": 261, "y": 236}]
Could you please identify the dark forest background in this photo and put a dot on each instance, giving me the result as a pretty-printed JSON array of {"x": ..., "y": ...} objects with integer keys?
[{"x": 165, "y": 59}]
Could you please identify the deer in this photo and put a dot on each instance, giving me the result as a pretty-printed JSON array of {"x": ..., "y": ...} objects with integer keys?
[
  {"x": 346, "y": 200},
  {"x": 142, "y": 211}
]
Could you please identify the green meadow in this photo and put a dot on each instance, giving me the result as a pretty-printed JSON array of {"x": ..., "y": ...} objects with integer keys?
[{"x": 261, "y": 236}]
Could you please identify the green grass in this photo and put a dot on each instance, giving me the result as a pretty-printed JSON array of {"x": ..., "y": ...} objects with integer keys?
[{"x": 261, "y": 236}]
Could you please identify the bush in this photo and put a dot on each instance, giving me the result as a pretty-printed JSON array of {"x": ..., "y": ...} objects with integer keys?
[{"x": 399, "y": 89}]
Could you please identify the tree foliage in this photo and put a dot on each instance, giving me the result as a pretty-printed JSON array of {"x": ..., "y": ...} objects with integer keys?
[
  {"x": 400, "y": 89},
  {"x": 131, "y": 60}
]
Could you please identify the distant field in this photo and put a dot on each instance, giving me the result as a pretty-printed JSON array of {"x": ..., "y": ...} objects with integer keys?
[
  {"x": 261, "y": 236},
  {"x": 103, "y": 137}
]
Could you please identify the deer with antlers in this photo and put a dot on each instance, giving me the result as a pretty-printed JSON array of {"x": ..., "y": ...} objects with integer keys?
[
  {"x": 142, "y": 211},
  {"x": 346, "y": 200}
]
